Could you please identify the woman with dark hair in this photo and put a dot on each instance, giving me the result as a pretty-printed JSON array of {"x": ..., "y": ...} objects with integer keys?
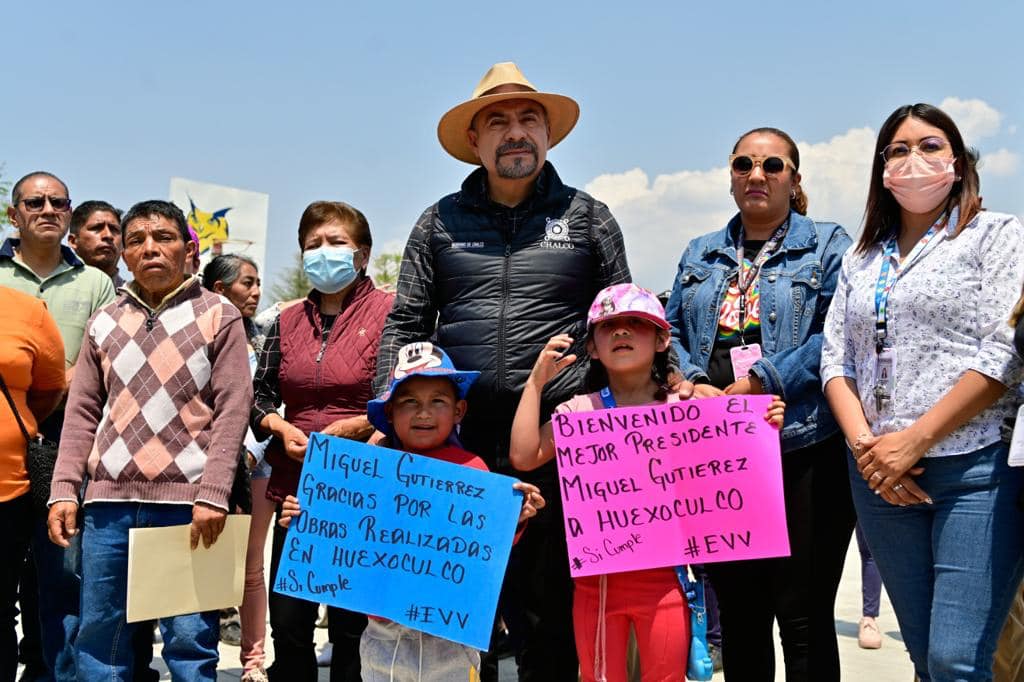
[
  {"x": 237, "y": 277},
  {"x": 318, "y": 359},
  {"x": 916, "y": 363},
  {"x": 747, "y": 311}
]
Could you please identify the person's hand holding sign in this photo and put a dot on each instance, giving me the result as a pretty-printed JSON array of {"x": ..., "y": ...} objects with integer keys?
[
  {"x": 776, "y": 412},
  {"x": 207, "y": 523},
  {"x": 290, "y": 508},
  {"x": 533, "y": 501}
]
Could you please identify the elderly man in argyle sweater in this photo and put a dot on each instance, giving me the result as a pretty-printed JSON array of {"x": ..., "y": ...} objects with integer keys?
[{"x": 155, "y": 416}]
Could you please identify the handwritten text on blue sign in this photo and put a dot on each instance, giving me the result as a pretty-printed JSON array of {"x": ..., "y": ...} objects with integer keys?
[{"x": 413, "y": 539}]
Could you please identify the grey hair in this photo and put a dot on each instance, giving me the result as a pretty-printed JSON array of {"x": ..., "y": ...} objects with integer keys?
[{"x": 226, "y": 268}]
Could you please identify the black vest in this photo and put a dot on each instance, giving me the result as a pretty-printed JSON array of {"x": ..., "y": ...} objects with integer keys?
[{"x": 505, "y": 281}]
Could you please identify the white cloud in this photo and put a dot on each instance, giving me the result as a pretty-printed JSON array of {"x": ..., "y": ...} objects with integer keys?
[
  {"x": 999, "y": 162},
  {"x": 389, "y": 246},
  {"x": 974, "y": 117},
  {"x": 836, "y": 174},
  {"x": 659, "y": 218}
]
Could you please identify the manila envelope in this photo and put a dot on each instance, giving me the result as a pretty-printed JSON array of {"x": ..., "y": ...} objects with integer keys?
[{"x": 167, "y": 578}]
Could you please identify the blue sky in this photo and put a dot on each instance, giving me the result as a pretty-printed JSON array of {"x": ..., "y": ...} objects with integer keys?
[{"x": 341, "y": 101}]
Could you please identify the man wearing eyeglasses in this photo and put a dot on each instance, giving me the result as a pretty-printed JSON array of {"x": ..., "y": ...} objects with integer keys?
[{"x": 40, "y": 265}]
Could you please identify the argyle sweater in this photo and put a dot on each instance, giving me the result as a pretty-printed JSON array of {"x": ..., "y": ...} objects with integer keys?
[{"x": 159, "y": 402}]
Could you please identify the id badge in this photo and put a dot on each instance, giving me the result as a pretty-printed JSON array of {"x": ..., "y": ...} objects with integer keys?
[
  {"x": 1017, "y": 444},
  {"x": 885, "y": 370},
  {"x": 743, "y": 358}
]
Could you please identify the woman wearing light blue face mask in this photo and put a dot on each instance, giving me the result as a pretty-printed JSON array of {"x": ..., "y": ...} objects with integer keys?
[{"x": 318, "y": 360}]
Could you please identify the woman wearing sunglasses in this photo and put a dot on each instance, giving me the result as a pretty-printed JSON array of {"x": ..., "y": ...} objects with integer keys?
[
  {"x": 747, "y": 311},
  {"x": 916, "y": 364}
]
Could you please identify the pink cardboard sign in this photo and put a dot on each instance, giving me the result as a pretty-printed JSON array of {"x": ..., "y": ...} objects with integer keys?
[{"x": 690, "y": 482}]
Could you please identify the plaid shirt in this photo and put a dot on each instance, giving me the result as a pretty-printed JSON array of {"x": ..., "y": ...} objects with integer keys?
[{"x": 266, "y": 386}]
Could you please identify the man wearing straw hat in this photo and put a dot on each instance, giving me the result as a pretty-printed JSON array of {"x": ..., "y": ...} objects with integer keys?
[{"x": 492, "y": 272}]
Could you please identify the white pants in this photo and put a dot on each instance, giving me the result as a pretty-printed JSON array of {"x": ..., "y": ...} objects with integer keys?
[{"x": 390, "y": 652}]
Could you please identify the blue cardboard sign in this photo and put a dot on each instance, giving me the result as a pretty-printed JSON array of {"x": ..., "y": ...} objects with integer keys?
[{"x": 409, "y": 538}]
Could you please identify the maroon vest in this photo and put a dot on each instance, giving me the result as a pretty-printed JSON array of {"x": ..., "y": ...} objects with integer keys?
[{"x": 324, "y": 380}]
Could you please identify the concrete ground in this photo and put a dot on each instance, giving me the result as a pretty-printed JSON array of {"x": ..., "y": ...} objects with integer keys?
[{"x": 888, "y": 664}]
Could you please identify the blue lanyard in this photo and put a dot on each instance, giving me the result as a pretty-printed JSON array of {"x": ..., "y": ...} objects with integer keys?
[
  {"x": 607, "y": 398},
  {"x": 888, "y": 276}
]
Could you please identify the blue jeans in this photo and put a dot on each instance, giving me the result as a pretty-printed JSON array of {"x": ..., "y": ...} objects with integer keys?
[
  {"x": 951, "y": 568},
  {"x": 103, "y": 648},
  {"x": 870, "y": 580}
]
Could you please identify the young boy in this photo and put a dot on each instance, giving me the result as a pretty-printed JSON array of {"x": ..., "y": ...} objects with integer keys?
[{"x": 425, "y": 401}]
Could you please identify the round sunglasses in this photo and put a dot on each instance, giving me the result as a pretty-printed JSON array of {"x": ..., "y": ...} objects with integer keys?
[{"x": 742, "y": 164}]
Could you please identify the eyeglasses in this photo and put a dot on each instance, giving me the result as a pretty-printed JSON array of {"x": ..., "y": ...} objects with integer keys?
[
  {"x": 929, "y": 146},
  {"x": 36, "y": 204},
  {"x": 742, "y": 164}
]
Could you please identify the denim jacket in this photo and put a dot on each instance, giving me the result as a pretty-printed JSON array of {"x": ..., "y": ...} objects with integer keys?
[{"x": 796, "y": 287}]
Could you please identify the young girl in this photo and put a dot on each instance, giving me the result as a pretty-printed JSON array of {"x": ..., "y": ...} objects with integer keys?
[{"x": 628, "y": 339}]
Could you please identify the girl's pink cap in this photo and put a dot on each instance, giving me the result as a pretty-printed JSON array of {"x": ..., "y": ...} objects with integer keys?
[{"x": 620, "y": 300}]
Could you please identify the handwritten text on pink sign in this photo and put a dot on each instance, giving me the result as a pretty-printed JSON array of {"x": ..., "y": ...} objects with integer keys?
[{"x": 682, "y": 483}]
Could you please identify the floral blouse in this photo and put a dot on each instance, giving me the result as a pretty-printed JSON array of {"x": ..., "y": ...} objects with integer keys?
[{"x": 947, "y": 313}]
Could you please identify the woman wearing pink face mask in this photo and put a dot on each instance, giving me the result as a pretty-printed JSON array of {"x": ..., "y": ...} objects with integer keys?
[{"x": 916, "y": 363}]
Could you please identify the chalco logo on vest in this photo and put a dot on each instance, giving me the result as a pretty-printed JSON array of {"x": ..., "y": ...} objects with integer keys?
[{"x": 556, "y": 235}]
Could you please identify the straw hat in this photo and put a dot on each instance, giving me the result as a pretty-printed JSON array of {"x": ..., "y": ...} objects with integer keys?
[{"x": 563, "y": 112}]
